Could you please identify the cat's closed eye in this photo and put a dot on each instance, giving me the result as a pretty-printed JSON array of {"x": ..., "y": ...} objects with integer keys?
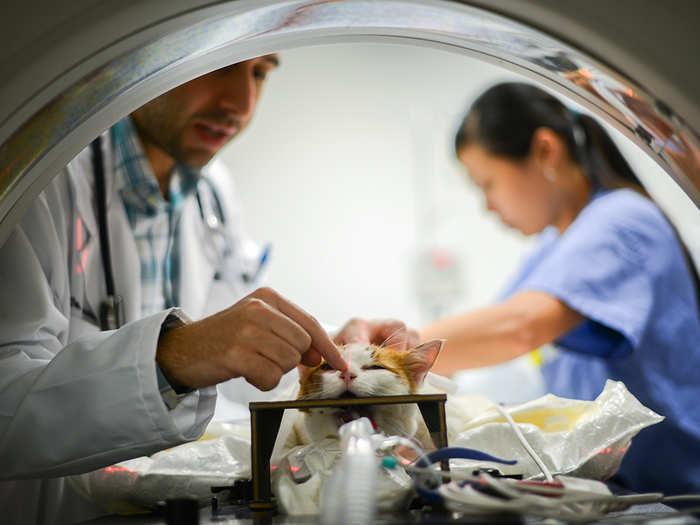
[
  {"x": 326, "y": 366},
  {"x": 374, "y": 367}
]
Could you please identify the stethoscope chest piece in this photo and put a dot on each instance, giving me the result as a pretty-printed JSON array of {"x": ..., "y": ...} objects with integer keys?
[{"x": 111, "y": 313}]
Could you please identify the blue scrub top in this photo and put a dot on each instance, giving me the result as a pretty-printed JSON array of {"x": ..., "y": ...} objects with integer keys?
[{"x": 620, "y": 265}]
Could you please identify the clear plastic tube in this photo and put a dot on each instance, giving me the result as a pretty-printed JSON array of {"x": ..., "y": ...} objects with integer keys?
[
  {"x": 350, "y": 496},
  {"x": 547, "y": 474}
]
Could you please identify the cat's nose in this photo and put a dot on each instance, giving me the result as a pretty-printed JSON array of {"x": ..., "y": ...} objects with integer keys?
[{"x": 348, "y": 376}]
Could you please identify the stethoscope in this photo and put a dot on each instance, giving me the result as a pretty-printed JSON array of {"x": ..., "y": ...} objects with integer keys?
[
  {"x": 229, "y": 247},
  {"x": 111, "y": 309}
]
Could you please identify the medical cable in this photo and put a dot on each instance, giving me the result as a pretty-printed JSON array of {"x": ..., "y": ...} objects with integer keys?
[
  {"x": 682, "y": 497},
  {"x": 656, "y": 516},
  {"x": 544, "y": 500},
  {"x": 569, "y": 506},
  {"x": 417, "y": 444},
  {"x": 550, "y": 499},
  {"x": 471, "y": 494},
  {"x": 393, "y": 442},
  {"x": 385, "y": 444},
  {"x": 547, "y": 474},
  {"x": 513, "y": 496},
  {"x": 627, "y": 500},
  {"x": 432, "y": 494},
  {"x": 447, "y": 453}
]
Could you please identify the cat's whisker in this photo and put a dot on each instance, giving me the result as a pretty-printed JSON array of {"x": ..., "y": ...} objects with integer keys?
[{"x": 395, "y": 335}]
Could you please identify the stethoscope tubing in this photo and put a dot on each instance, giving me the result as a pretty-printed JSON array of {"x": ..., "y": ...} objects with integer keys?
[{"x": 111, "y": 309}]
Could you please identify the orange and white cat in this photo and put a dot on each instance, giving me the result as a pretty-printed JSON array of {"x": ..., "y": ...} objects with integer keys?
[{"x": 372, "y": 371}]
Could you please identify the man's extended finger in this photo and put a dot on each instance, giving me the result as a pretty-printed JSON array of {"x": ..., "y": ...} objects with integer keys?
[{"x": 319, "y": 338}]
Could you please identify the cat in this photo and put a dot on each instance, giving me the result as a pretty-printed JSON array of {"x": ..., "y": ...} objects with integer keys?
[
  {"x": 374, "y": 370},
  {"x": 311, "y": 448}
]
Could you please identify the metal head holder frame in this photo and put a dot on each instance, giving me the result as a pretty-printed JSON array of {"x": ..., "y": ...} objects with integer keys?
[{"x": 266, "y": 417}]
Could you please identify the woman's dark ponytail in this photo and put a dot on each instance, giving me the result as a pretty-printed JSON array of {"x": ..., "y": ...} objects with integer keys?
[
  {"x": 600, "y": 158},
  {"x": 505, "y": 117}
]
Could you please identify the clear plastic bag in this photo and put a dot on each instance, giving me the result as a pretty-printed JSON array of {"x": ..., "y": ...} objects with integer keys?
[
  {"x": 219, "y": 458},
  {"x": 579, "y": 438}
]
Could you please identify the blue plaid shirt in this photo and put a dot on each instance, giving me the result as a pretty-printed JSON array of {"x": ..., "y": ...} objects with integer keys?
[{"x": 154, "y": 220}]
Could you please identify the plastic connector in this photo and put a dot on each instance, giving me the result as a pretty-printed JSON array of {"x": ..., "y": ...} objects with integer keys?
[{"x": 349, "y": 497}]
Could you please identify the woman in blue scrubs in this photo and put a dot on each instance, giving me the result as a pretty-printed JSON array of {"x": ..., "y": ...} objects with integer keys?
[{"x": 609, "y": 282}]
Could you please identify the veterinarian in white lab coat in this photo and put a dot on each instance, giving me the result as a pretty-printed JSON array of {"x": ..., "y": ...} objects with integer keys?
[{"x": 84, "y": 384}]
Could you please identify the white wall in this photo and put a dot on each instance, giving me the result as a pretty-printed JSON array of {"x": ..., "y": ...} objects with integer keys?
[{"x": 348, "y": 170}]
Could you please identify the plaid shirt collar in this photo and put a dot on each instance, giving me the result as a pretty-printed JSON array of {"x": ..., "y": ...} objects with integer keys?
[
  {"x": 135, "y": 179},
  {"x": 153, "y": 219}
]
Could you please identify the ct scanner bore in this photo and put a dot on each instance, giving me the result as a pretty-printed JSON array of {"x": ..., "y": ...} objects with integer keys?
[{"x": 73, "y": 70}]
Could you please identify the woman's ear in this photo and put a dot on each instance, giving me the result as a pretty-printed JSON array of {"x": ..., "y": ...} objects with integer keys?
[{"x": 547, "y": 149}]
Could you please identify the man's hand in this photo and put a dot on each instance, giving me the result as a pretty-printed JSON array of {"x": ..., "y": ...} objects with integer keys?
[
  {"x": 261, "y": 337},
  {"x": 386, "y": 332}
]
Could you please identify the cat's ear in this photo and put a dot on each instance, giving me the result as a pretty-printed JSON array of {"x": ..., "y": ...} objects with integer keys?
[{"x": 422, "y": 358}]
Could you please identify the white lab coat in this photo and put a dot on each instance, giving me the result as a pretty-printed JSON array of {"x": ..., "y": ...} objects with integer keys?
[{"x": 73, "y": 398}]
